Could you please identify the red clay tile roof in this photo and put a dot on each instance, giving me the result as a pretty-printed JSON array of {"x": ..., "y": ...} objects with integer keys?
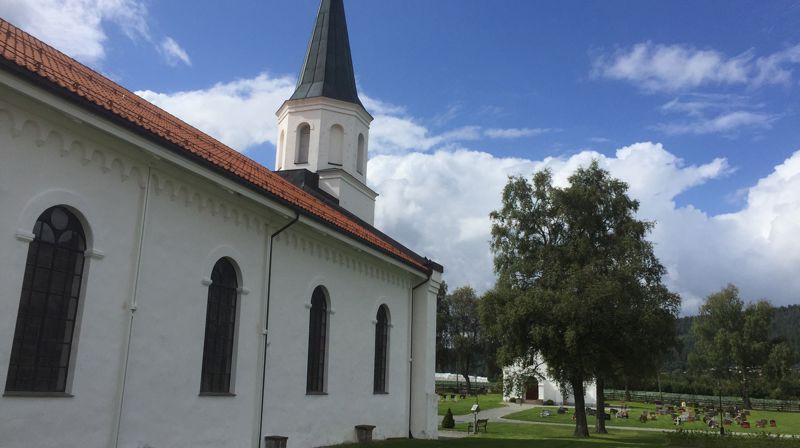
[{"x": 27, "y": 55}]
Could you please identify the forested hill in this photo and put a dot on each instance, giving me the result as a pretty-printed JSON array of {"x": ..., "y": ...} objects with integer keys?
[{"x": 785, "y": 325}]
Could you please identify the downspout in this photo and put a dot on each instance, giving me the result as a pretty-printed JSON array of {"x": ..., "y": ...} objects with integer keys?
[
  {"x": 132, "y": 307},
  {"x": 266, "y": 323},
  {"x": 411, "y": 349}
]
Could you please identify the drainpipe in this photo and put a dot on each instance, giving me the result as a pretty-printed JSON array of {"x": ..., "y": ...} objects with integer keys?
[
  {"x": 132, "y": 308},
  {"x": 411, "y": 349},
  {"x": 266, "y": 322}
]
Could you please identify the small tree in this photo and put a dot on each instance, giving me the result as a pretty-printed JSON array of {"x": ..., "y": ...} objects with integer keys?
[{"x": 448, "y": 422}]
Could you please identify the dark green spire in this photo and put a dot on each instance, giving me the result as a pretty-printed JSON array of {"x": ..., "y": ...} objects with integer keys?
[{"x": 328, "y": 68}]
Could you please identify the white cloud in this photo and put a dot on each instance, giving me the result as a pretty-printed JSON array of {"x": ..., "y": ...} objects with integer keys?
[
  {"x": 773, "y": 69},
  {"x": 658, "y": 67},
  {"x": 438, "y": 203},
  {"x": 728, "y": 122},
  {"x": 697, "y": 104},
  {"x": 599, "y": 139},
  {"x": 515, "y": 132},
  {"x": 715, "y": 113},
  {"x": 239, "y": 113},
  {"x": 173, "y": 53},
  {"x": 76, "y": 26},
  {"x": 435, "y": 196}
]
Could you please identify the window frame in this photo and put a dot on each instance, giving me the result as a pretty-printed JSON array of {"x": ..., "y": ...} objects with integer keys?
[
  {"x": 317, "y": 366},
  {"x": 336, "y": 145},
  {"x": 299, "y": 151},
  {"x": 73, "y": 312},
  {"x": 233, "y": 289},
  {"x": 380, "y": 373},
  {"x": 361, "y": 154}
]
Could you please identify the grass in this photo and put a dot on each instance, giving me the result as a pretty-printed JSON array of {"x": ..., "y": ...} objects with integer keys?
[
  {"x": 788, "y": 422},
  {"x": 515, "y": 435},
  {"x": 521, "y": 435},
  {"x": 462, "y": 407}
]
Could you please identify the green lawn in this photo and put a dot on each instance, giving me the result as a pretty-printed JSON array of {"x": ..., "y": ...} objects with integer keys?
[
  {"x": 788, "y": 422},
  {"x": 518, "y": 435},
  {"x": 462, "y": 407},
  {"x": 515, "y": 435}
]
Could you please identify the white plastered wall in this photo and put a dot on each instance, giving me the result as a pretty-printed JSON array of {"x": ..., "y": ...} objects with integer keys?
[
  {"x": 322, "y": 114},
  {"x": 48, "y": 158},
  {"x": 304, "y": 259}
]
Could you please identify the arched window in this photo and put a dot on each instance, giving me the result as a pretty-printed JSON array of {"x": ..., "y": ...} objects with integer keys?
[
  {"x": 48, "y": 306},
  {"x": 337, "y": 145},
  {"x": 381, "y": 350},
  {"x": 281, "y": 150},
  {"x": 361, "y": 159},
  {"x": 317, "y": 342},
  {"x": 220, "y": 329},
  {"x": 303, "y": 141}
]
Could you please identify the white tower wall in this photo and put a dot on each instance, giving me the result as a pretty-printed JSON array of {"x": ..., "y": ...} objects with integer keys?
[{"x": 347, "y": 181}]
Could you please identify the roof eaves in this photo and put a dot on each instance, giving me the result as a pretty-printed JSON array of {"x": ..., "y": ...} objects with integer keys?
[{"x": 143, "y": 131}]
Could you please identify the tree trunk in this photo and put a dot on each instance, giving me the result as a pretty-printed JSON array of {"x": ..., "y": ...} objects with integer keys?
[
  {"x": 746, "y": 393},
  {"x": 581, "y": 425},
  {"x": 466, "y": 379},
  {"x": 600, "y": 420},
  {"x": 627, "y": 391}
]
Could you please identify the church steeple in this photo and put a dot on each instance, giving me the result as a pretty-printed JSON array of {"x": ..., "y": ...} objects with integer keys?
[
  {"x": 323, "y": 128},
  {"x": 328, "y": 67}
]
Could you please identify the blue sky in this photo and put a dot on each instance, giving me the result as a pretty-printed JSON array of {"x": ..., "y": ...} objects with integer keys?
[{"x": 708, "y": 89}]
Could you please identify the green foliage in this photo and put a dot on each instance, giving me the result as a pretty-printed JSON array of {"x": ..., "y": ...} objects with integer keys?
[
  {"x": 443, "y": 342},
  {"x": 784, "y": 326},
  {"x": 448, "y": 422},
  {"x": 707, "y": 439},
  {"x": 459, "y": 329},
  {"x": 732, "y": 341},
  {"x": 549, "y": 402},
  {"x": 577, "y": 281},
  {"x": 779, "y": 379}
]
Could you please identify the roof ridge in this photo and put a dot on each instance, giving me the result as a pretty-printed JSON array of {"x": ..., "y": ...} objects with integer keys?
[{"x": 29, "y": 56}]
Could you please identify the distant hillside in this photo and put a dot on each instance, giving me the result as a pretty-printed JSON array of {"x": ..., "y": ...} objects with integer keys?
[{"x": 785, "y": 325}]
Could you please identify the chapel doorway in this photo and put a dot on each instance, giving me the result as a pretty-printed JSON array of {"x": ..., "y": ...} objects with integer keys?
[{"x": 532, "y": 392}]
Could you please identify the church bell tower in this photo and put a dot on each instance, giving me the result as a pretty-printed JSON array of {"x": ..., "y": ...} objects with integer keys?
[{"x": 323, "y": 127}]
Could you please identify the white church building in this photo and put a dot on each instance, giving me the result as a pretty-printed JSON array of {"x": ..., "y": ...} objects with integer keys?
[
  {"x": 161, "y": 290},
  {"x": 540, "y": 386}
]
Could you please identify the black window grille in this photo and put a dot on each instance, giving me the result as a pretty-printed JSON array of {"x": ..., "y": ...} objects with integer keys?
[
  {"x": 220, "y": 329},
  {"x": 48, "y": 306},
  {"x": 381, "y": 350},
  {"x": 317, "y": 334}
]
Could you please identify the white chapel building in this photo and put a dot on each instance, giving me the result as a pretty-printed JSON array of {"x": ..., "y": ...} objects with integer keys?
[
  {"x": 161, "y": 290},
  {"x": 542, "y": 387}
]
